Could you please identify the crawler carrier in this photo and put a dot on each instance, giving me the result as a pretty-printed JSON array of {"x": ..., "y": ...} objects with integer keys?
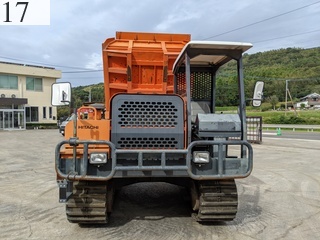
[{"x": 158, "y": 124}]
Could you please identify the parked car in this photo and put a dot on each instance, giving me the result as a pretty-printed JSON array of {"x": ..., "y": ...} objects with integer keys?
[{"x": 64, "y": 123}]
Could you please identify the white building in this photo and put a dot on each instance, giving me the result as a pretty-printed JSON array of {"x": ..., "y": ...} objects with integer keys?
[
  {"x": 25, "y": 95},
  {"x": 310, "y": 101}
]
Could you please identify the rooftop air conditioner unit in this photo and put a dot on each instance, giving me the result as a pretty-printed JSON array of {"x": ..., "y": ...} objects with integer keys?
[
  {"x": 3, "y": 95},
  {"x": 13, "y": 96}
]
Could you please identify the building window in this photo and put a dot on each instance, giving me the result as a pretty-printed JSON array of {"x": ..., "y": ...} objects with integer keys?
[
  {"x": 44, "y": 112},
  {"x": 34, "y": 84},
  {"x": 32, "y": 114},
  {"x": 50, "y": 112},
  {"x": 8, "y": 82}
]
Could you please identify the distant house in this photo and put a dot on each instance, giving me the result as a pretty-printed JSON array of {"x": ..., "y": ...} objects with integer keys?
[{"x": 310, "y": 101}]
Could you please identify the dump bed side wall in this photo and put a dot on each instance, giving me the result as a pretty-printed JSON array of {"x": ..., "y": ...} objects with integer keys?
[{"x": 140, "y": 63}]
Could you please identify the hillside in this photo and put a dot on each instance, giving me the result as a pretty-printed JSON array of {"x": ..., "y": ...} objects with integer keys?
[
  {"x": 300, "y": 66},
  {"x": 81, "y": 94}
]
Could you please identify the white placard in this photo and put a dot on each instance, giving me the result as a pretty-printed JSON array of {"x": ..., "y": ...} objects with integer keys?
[{"x": 25, "y": 12}]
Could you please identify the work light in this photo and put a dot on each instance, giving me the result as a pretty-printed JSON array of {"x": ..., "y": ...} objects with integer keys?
[
  {"x": 98, "y": 158},
  {"x": 201, "y": 157}
]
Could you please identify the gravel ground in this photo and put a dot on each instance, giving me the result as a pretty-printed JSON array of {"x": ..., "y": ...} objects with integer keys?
[{"x": 279, "y": 200}]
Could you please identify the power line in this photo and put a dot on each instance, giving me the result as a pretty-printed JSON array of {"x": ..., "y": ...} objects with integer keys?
[
  {"x": 90, "y": 77},
  {"x": 98, "y": 70},
  {"x": 264, "y": 20},
  {"x": 47, "y": 64},
  {"x": 271, "y": 39}
]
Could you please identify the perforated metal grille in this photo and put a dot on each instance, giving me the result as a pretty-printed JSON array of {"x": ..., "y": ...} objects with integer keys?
[
  {"x": 147, "y": 121},
  {"x": 147, "y": 114},
  {"x": 200, "y": 85},
  {"x": 181, "y": 83},
  {"x": 127, "y": 142}
]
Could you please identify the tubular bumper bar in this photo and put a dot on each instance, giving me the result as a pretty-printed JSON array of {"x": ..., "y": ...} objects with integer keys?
[{"x": 247, "y": 152}]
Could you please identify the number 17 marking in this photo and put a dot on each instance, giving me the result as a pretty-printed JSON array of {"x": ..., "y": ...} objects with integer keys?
[{"x": 18, "y": 3}]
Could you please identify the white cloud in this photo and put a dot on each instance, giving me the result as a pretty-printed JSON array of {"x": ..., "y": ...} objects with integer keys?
[
  {"x": 177, "y": 18},
  {"x": 78, "y": 28},
  {"x": 46, "y": 56},
  {"x": 94, "y": 61}
]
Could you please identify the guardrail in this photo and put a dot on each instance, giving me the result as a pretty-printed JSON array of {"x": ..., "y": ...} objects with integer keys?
[{"x": 293, "y": 127}]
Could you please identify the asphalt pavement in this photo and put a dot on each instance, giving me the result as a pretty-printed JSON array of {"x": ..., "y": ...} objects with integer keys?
[{"x": 291, "y": 134}]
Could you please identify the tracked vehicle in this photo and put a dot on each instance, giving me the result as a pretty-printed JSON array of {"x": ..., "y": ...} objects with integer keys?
[{"x": 158, "y": 124}]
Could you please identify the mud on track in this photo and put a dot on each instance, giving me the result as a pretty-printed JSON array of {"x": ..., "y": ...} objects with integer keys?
[{"x": 280, "y": 200}]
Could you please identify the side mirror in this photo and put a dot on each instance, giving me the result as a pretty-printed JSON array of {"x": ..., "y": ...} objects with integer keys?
[
  {"x": 60, "y": 94},
  {"x": 258, "y": 94}
]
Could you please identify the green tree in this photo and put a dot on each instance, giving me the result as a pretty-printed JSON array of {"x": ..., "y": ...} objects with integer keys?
[{"x": 273, "y": 100}]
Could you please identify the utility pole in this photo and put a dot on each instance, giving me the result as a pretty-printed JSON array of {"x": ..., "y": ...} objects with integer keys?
[
  {"x": 286, "y": 105},
  {"x": 287, "y": 91},
  {"x": 90, "y": 94}
]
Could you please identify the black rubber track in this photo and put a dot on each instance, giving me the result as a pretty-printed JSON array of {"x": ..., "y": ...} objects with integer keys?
[
  {"x": 88, "y": 203},
  {"x": 218, "y": 200}
]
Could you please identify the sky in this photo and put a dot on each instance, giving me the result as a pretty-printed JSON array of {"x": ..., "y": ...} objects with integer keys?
[{"x": 72, "y": 42}]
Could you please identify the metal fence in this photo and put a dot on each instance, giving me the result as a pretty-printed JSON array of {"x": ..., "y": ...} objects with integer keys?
[{"x": 254, "y": 129}]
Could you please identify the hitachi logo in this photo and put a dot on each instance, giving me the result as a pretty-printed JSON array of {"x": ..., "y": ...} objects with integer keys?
[{"x": 88, "y": 127}]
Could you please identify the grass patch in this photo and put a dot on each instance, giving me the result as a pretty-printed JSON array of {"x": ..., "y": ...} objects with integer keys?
[
  {"x": 226, "y": 109},
  {"x": 309, "y": 117}
]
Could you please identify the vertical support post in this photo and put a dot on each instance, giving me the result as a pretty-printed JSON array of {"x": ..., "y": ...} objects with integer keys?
[
  {"x": 188, "y": 89},
  {"x": 220, "y": 159},
  {"x": 242, "y": 101},
  {"x": 84, "y": 161},
  {"x": 213, "y": 93},
  {"x": 24, "y": 118},
  {"x": 163, "y": 159},
  {"x": 175, "y": 83},
  {"x": 75, "y": 136},
  {"x": 242, "y": 105},
  {"x": 140, "y": 159}
]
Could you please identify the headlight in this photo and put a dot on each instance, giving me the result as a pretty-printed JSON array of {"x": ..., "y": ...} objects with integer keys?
[
  {"x": 98, "y": 158},
  {"x": 201, "y": 157}
]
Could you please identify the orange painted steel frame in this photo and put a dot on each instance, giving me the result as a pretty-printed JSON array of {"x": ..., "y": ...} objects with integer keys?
[
  {"x": 133, "y": 62},
  {"x": 136, "y": 62}
]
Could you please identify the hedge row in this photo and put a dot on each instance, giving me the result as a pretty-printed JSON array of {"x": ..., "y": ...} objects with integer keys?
[{"x": 282, "y": 119}]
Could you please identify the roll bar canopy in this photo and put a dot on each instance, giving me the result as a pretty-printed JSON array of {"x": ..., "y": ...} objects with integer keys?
[
  {"x": 211, "y": 55},
  {"x": 204, "y": 53}
]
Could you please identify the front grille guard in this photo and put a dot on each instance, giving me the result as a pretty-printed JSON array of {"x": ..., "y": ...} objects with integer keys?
[{"x": 247, "y": 153}]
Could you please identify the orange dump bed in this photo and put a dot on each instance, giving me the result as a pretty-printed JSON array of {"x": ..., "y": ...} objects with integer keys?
[{"x": 140, "y": 62}]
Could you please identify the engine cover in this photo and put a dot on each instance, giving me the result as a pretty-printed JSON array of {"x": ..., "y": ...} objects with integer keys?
[{"x": 218, "y": 125}]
